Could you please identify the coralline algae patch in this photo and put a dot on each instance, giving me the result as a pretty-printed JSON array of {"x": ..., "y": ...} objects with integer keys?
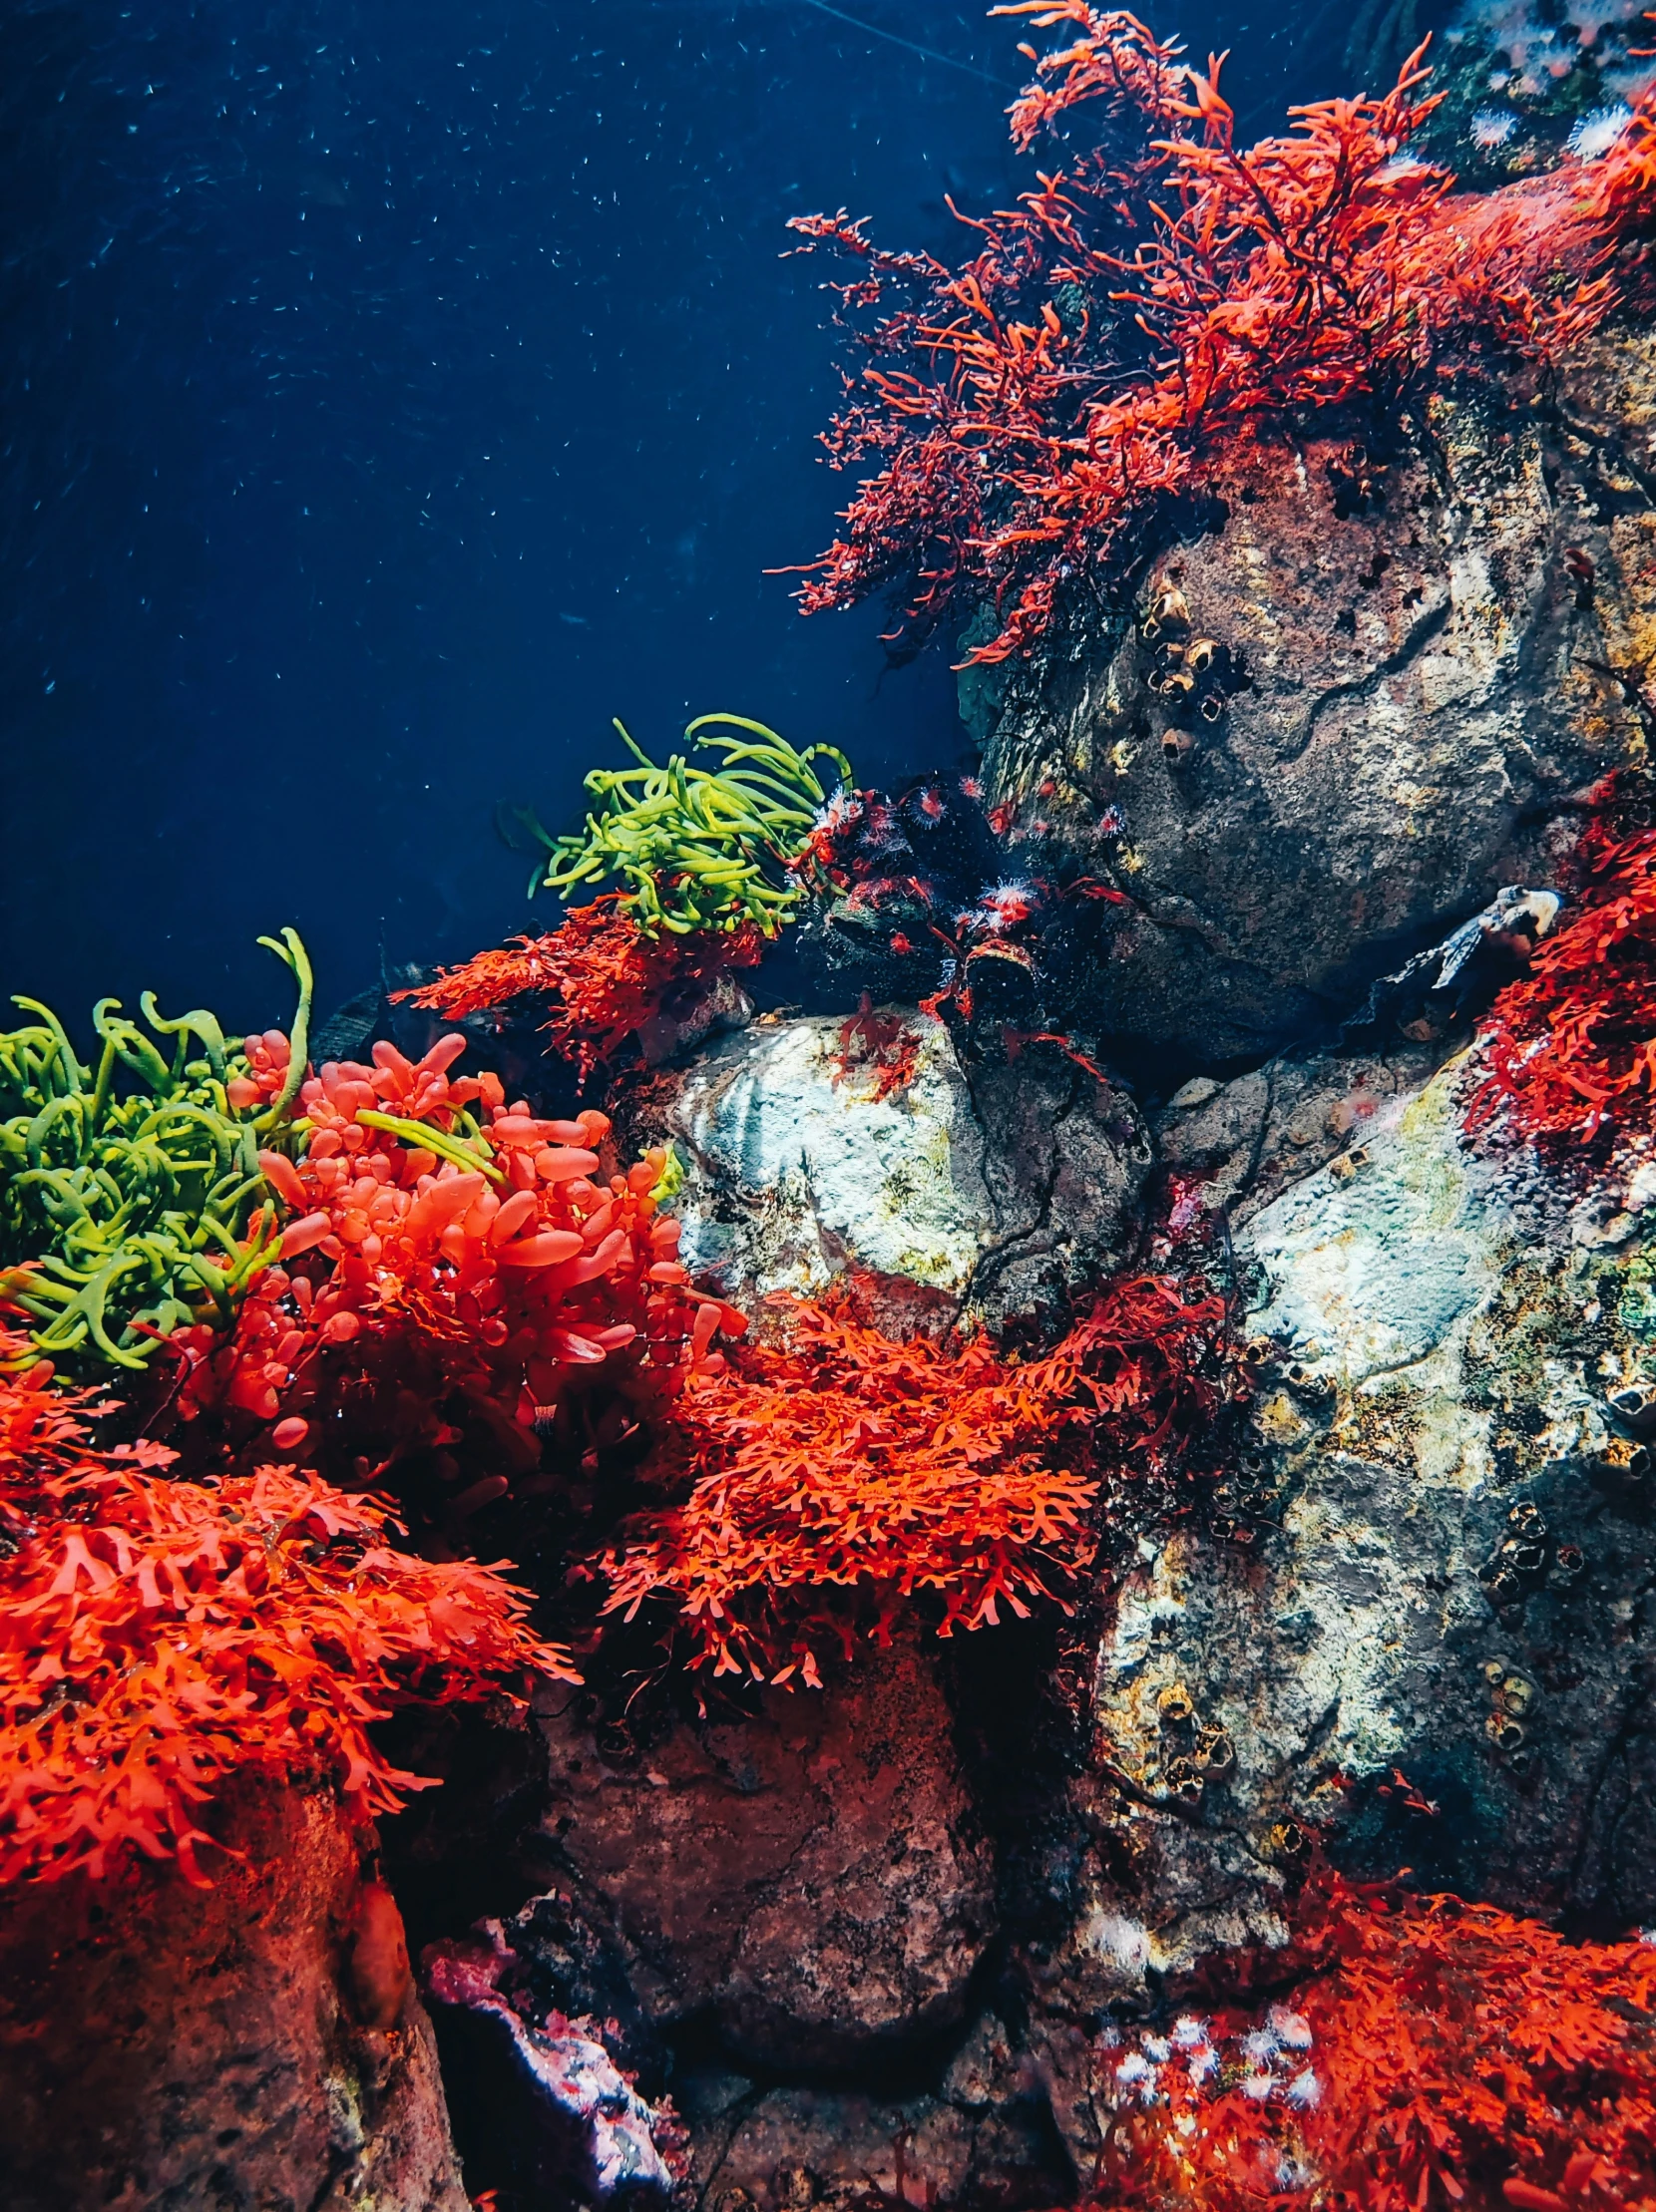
[
  {"x": 815, "y": 1175},
  {"x": 1370, "y": 1272}
]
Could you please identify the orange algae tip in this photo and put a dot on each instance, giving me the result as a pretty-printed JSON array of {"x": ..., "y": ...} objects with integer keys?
[
  {"x": 564, "y": 1164},
  {"x": 596, "y": 1124},
  {"x": 305, "y": 1234},
  {"x": 544, "y": 1249},
  {"x": 289, "y": 1435}
]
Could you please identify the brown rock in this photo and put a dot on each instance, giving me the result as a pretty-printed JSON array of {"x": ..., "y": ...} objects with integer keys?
[
  {"x": 1418, "y": 702},
  {"x": 813, "y": 1875},
  {"x": 167, "y": 2045}
]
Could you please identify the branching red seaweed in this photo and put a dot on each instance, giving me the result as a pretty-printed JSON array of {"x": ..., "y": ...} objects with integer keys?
[
  {"x": 1436, "y": 2054},
  {"x": 157, "y": 1636},
  {"x": 842, "y": 1461},
  {"x": 1165, "y": 295},
  {"x": 605, "y": 978},
  {"x": 1570, "y": 1048}
]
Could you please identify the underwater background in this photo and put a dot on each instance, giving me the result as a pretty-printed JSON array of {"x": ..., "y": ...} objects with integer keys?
[{"x": 394, "y": 394}]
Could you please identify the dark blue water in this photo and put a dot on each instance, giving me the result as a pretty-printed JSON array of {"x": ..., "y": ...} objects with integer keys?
[{"x": 392, "y": 393}]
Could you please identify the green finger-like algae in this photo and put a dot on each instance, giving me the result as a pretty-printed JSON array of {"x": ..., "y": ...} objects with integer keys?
[
  {"x": 698, "y": 848},
  {"x": 130, "y": 1199}
]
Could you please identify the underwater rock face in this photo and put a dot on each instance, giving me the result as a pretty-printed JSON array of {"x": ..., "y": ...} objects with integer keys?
[
  {"x": 989, "y": 1192},
  {"x": 813, "y": 1877},
  {"x": 1421, "y": 706},
  {"x": 165, "y": 2045},
  {"x": 1437, "y": 1643}
]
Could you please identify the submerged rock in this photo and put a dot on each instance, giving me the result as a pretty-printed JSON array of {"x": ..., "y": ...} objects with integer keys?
[
  {"x": 988, "y": 1192},
  {"x": 1421, "y": 692},
  {"x": 250, "y": 2043},
  {"x": 815, "y": 1878}
]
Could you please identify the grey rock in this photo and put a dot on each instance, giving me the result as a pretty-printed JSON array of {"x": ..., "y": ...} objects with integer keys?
[
  {"x": 1420, "y": 715},
  {"x": 987, "y": 1195}
]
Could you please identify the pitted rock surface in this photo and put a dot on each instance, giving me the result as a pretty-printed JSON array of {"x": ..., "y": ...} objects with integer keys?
[
  {"x": 1426, "y": 703},
  {"x": 165, "y": 2045},
  {"x": 814, "y": 1878},
  {"x": 989, "y": 1193}
]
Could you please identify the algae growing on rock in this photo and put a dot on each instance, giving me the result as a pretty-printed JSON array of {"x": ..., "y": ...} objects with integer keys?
[{"x": 950, "y": 1501}]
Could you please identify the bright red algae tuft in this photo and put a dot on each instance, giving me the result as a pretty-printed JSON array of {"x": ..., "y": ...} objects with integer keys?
[{"x": 1162, "y": 296}]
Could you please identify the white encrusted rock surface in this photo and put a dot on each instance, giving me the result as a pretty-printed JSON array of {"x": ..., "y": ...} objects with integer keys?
[{"x": 988, "y": 1193}]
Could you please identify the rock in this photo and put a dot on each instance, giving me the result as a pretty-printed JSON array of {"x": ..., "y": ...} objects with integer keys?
[
  {"x": 813, "y": 1878},
  {"x": 1242, "y": 1143},
  {"x": 167, "y": 2045},
  {"x": 575, "y": 2121},
  {"x": 982, "y": 2138},
  {"x": 985, "y": 1196},
  {"x": 1436, "y": 1644},
  {"x": 1419, "y": 711}
]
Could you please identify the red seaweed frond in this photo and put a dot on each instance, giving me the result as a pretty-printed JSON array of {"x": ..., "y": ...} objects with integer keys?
[
  {"x": 846, "y": 1462},
  {"x": 1161, "y": 298},
  {"x": 1572, "y": 1046},
  {"x": 879, "y": 1045},
  {"x": 157, "y": 1636},
  {"x": 605, "y": 978},
  {"x": 1439, "y": 2054},
  {"x": 1117, "y": 60}
]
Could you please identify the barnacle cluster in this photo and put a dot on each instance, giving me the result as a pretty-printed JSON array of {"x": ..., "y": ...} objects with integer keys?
[
  {"x": 131, "y": 1201},
  {"x": 698, "y": 848},
  {"x": 1192, "y": 675}
]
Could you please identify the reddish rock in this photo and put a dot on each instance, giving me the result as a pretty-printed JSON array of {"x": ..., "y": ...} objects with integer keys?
[
  {"x": 813, "y": 1875},
  {"x": 167, "y": 2045}
]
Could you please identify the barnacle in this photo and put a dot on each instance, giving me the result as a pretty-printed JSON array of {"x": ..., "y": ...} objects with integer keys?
[
  {"x": 699, "y": 849},
  {"x": 131, "y": 1199},
  {"x": 1174, "y": 1702},
  {"x": 1620, "y": 1456}
]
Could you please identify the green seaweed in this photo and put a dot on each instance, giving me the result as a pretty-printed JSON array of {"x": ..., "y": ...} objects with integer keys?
[
  {"x": 698, "y": 848},
  {"x": 131, "y": 1196}
]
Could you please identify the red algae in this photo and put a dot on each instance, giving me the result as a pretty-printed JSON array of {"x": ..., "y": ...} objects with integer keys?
[
  {"x": 1164, "y": 296},
  {"x": 1430, "y": 2054},
  {"x": 1570, "y": 1048},
  {"x": 603, "y": 977},
  {"x": 843, "y": 1463},
  {"x": 157, "y": 1636}
]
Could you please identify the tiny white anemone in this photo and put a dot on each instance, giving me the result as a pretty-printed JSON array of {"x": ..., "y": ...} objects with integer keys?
[
  {"x": 1261, "y": 2046},
  {"x": 1289, "y": 2027},
  {"x": 1135, "y": 2067},
  {"x": 1189, "y": 2031},
  {"x": 1202, "y": 2064},
  {"x": 1258, "y": 2086},
  {"x": 1491, "y": 127},
  {"x": 839, "y": 812},
  {"x": 1157, "y": 2048},
  {"x": 1599, "y": 130},
  {"x": 1293, "y": 2173},
  {"x": 1305, "y": 2091}
]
